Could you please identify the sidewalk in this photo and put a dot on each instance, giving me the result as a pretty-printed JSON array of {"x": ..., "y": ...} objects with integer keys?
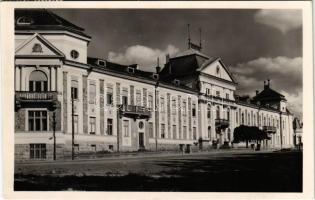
[{"x": 151, "y": 154}]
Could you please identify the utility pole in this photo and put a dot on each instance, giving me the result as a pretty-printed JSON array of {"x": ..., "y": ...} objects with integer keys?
[
  {"x": 72, "y": 116},
  {"x": 54, "y": 133},
  {"x": 156, "y": 105},
  {"x": 281, "y": 129}
]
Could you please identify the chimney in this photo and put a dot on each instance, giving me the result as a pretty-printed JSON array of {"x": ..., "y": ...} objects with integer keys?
[
  {"x": 257, "y": 92},
  {"x": 158, "y": 68},
  {"x": 167, "y": 58},
  {"x": 265, "y": 86},
  {"x": 268, "y": 83}
]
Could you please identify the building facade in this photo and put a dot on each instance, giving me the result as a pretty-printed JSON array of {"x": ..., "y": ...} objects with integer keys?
[{"x": 68, "y": 102}]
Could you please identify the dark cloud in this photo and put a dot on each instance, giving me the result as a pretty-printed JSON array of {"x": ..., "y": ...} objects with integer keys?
[{"x": 256, "y": 44}]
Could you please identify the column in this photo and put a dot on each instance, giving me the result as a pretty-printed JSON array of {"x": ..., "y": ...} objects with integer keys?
[
  {"x": 53, "y": 79},
  {"x": 17, "y": 78}
]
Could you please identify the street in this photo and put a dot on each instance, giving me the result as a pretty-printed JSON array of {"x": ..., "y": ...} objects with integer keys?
[{"x": 205, "y": 172}]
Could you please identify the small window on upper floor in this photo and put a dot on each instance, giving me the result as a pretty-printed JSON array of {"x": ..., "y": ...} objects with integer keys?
[
  {"x": 74, "y": 54},
  {"x": 102, "y": 63},
  {"x": 217, "y": 93},
  {"x": 24, "y": 21},
  {"x": 218, "y": 70},
  {"x": 227, "y": 96}
]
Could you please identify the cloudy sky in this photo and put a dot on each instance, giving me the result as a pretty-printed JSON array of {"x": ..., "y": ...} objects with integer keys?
[{"x": 254, "y": 44}]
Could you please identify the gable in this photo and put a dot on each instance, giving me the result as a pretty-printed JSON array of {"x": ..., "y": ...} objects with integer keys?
[
  {"x": 37, "y": 46},
  {"x": 218, "y": 70}
]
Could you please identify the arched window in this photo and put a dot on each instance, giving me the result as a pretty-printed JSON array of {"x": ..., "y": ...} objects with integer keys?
[
  {"x": 218, "y": 112},
  {"x": 248, "y": 119},
  {"x": 209, "y": 132},
  {"x": 209, "y": 111},
  {"x": 243, "y": 118},
  {"x": 38, "y": 81}
]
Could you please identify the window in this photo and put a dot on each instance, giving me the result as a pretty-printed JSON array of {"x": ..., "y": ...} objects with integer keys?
[
  {"x": 109, "y": 126},
  {"x": 109, "y": 95},
  {"x": 236, "y": 117},
  {"x": 173, "y": 106},
  {"x": 138, "y": 98},
  {"x": 174, "y": 132},
  {"x": 227, "y": 96},
  {"x": 150, "y": 129},
  {"x": 38, "y": 82},
  {"x": 37, "y": 120},
  {"x": 37, "y": 48},
  {"x": 92, "y": 92},
  {"x": 218, "y": 112},
  {"x": 209, "y": 111},
  {"x": 126, "y": 128},
  {"x": 194, "y": 110},
  {"x": 74, "y": 54},
  {"x": 38, "y": 151},
  {"x": 209, "y": 132},
  {"x": 150, "y": 102},
  {"x": 218, "y": 70},
  {"x": 185, "y": 132},
  {"x": 194, "y": 133},
  {"x": 208, "y": 92},
  {"x": 109, "y": 99},
  {"x": 248, "y": 119},
  {"x": 102, "y": 63},
  {"x": 242, "y": 118},
  {"x": 217, "y": 93},
  {"x": 184, "y": 108},
  {"x": 74, "y": 89},
  {"x": 162, "y": 130},
  {"x": 92, "y": 125},
  {"x": 125, "y": 96},
  {"x": 162, "y": 104}
]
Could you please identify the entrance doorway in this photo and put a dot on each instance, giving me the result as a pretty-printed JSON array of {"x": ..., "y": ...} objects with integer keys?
[{"x": 141, "y": 140}]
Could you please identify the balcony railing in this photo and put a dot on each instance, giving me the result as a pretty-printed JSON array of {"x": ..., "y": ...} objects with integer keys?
[
  {"x": 269, "y": 129},
  {"x": 135, "y": 111},
  {"x": 35, "y": 96},
  {"x": 222, "y": 123}
]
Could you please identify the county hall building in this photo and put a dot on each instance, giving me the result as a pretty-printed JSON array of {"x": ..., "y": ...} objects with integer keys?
[{"x": 66, "y": 100}]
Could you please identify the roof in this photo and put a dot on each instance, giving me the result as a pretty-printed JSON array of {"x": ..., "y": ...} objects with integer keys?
[
  {"x": 268, "y": 94},
  {"x": 190, "y": 52},
  {"x": 183, "y": 64},
  {"x": 42, "y": 19},
  {"x": 123, "y": 70}
]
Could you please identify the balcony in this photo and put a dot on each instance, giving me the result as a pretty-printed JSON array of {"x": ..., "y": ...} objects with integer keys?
[
  {"x": 29, "y": 97},
  {"x": 136, "y": 112},
  {"x": 269, "y": 129},
  {"x": 35, "y": 96},
  {"x": 222, "y": 123}
]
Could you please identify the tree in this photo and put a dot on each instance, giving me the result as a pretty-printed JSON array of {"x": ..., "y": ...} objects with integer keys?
[{"x": 249, "y": 133}]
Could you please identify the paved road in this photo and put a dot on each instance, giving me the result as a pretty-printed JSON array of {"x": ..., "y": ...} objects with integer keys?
[{"x": 223, "y": 171}]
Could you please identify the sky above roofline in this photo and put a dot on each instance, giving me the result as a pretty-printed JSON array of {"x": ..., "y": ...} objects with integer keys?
[{"x": 254, "y": 44}]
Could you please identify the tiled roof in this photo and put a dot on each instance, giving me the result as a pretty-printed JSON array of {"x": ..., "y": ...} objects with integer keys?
[
  {"x": 123, "y": 70},
  {"x": 189, "y": 52},
  {"x": 43, "y": 19},
  {"x": 268, "y": 94}
]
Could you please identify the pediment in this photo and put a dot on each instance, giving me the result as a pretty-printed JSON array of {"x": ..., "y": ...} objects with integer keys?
[
  {"x": 37, "y": 46},
  {"x": 216, "y": 68}
]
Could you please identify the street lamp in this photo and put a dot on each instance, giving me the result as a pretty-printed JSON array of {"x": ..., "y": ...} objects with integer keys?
[
  {"x": 72, "y": 116},
  {"x": 54, "y": 133}
]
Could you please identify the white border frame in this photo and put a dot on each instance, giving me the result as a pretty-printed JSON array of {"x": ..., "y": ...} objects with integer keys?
[{"x": 7, "y": 78}]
